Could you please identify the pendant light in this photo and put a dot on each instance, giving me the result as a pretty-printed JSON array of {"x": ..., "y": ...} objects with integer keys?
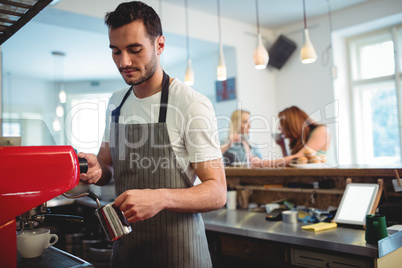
[
  {"x": 58, "y": 69},
  {"x": 221, "y": 70},
  {"x": 189, "y": 76},
  {"x": 307, "y": 53},
  {"x": 261, "y": 56},
  {"x": 62, "y": 94},
  {"x": 56, "y": 124},
  {"x": 59, "y": 111}
]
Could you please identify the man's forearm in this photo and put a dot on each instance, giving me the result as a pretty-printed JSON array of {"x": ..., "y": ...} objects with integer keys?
[{"x": 204, "y": 197}]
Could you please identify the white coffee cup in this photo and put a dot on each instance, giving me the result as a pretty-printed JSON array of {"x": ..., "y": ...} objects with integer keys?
[{"x": 31, "y": 243}]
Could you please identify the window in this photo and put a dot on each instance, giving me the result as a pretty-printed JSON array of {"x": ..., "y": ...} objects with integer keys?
[
  {"x": 11, "y": 129},
  {"x": 85, "y": 122},
  {"x": 375, "y": 87}
]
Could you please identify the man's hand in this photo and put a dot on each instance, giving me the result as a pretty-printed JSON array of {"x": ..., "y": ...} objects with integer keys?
[
  {"x": 139, "y": 205},
  {"x": 94, "y": 172}
]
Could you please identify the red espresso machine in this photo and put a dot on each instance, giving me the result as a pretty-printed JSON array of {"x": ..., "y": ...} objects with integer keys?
[{"x": 30, "y": 176}]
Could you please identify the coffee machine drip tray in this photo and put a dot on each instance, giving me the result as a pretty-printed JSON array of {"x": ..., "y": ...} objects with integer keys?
[{"x": 52, "y": 257}]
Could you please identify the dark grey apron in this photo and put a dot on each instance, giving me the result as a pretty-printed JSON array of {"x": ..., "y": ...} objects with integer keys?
[{"x": 144, "y": 159}]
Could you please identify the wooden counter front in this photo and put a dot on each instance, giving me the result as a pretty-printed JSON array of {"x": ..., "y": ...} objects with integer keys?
[
  {"x": 265, "y": 185},
  {"x": 350, "y": 171}
]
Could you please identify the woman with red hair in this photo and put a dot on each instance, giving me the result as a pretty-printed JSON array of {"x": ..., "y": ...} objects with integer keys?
[{"x": 306, "y": 138}]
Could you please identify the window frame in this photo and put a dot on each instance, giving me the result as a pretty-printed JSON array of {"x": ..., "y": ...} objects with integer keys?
[{"x": 356, "y": 84}]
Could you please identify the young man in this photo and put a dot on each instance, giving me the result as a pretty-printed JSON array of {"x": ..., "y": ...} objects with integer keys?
[{"x": 160, "y": 135}]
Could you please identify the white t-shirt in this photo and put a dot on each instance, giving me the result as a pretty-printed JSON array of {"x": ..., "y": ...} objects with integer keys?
[{"x": 190, "y": 120}]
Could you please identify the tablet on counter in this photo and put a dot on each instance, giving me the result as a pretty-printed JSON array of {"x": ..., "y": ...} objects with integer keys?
[{"x": 357, "y": 201}]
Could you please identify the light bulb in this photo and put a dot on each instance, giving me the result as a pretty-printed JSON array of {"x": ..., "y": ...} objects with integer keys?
[
  {"x": 56, "y": 124},
  {"x": 221, "y": 70},
  {"x": 189, "y": 76},
  {"x": 59, "y": 111},
  {"x": 260, "y": 56},
  {"x": 62, "y": 96},
  {"x": 307, "y": 52}
]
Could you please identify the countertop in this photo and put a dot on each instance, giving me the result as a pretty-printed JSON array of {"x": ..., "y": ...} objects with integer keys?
[{"x": 254, "y": 225}]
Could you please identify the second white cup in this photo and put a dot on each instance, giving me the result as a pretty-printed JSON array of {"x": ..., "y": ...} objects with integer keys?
[{"x": 231, "y": 200}]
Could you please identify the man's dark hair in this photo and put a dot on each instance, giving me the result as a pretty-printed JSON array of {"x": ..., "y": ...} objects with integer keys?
[{"x": 128, "y": 12}]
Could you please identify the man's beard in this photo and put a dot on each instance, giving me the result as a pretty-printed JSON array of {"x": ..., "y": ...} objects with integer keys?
[{"x": 150, "y": 69}]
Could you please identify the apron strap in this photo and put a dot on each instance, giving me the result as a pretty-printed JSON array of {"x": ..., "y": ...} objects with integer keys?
[
  {"x": 164, "y": 98},
  {"x": 164, "y": 101},
  {"x": 116, "y": 112}
]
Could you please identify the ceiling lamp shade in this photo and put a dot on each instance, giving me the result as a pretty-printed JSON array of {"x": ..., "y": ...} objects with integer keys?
[
  {"x": 307, "y": 52},
  {"x": 189, "y": 75},
  {"x": 261, "y": 56},
  {"x": 62, "y": 96},
  {"x": 59, "y": 111},
  {"x": 56, "y": 124},
  {"x": 221, "y": 70}
]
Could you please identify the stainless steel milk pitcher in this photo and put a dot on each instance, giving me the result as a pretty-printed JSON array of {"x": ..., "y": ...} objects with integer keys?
[{"x": 112, "y": 220}]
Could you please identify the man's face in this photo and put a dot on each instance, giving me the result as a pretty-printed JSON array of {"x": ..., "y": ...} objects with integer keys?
[{"x": 134, "y": 54}]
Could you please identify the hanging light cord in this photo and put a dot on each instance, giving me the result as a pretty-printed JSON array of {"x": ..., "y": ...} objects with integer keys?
[
  {"x": 258, "y": 19},
  {"x": 219, "y": 21},
  {"x": 329, "y": 16},
  {"x": 304, "y": 14},
  {"x": 326, "y": 54},
  {"x": 187, "y": 31},
  {"x": 160, "y": 9}
]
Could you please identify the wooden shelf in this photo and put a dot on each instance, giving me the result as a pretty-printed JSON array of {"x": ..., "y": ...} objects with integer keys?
[
  {"x": 394, "y": 194},
  {"x": 291, "y": 190},
  {"x": 347, "y": 171}
]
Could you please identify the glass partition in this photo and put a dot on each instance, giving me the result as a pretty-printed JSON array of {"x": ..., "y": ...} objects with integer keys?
[{"x": 31, "y": 132}]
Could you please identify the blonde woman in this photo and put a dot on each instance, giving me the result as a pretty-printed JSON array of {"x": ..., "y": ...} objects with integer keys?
[{"x": 236, "y": 148}]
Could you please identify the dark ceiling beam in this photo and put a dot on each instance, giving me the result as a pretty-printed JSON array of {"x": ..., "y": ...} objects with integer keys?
[{"x": 23, "y": 19}]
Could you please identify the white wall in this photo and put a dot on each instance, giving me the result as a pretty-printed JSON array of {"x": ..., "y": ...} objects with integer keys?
[{"x": 255, "y": 88}]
